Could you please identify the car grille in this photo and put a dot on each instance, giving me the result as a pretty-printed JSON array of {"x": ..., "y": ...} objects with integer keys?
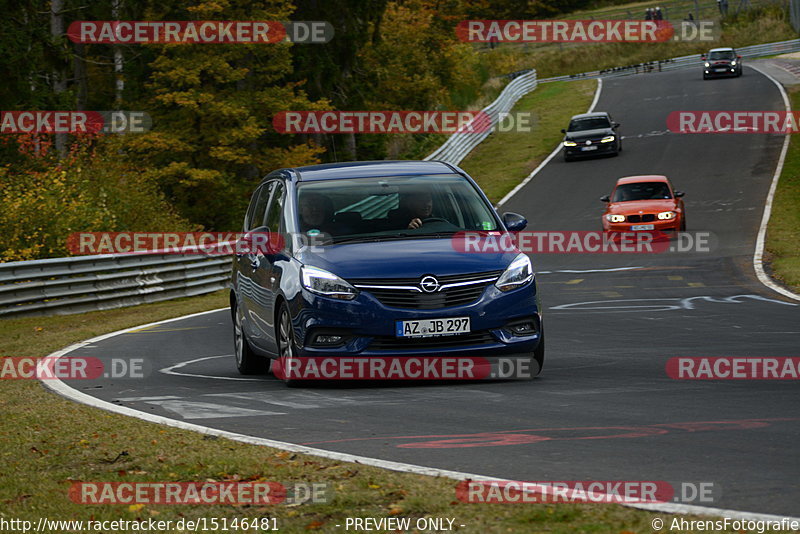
[
  {"x": 647, "y": 217},
  {"x": 481, "y": 337},
  {"x": 406, "y": 292}
]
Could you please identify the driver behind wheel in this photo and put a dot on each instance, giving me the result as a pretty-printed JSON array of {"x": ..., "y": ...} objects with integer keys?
[{"x": 414, "y": 208}]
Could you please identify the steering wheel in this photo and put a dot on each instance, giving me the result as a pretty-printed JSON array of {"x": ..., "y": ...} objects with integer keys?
[{"x": 434, "y": 219}]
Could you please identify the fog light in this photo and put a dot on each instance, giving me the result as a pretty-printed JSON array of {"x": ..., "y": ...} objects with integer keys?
[{"x": 522, "y": 328}]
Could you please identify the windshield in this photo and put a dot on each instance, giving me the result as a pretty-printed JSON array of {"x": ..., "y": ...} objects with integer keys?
[
  {"x": 593, "y": 123},
  {"x": 641, "y": 191},
  {"x": 724, "y": 54},
  {"x": 397, "y": 207}
]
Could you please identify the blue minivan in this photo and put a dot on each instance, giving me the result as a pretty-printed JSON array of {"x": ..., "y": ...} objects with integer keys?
[{"x": 366, "y": 266}]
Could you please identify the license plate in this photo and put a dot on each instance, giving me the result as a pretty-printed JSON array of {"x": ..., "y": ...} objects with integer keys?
[
  {"x": 585, "y": 148},
  {"x": 433, "y": 327},
  {"x": 721, "y": 69},
  {"x": 636, "y": 227}
]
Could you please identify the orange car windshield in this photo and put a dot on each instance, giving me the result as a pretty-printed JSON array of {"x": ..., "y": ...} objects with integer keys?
[{"x": 641, "y": 191}]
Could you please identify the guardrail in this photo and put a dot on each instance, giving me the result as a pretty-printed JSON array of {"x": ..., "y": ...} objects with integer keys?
[
  {"x": 60, "y": 286},
  {"x": 459, "y": 145},
  {"x": 87, "y": 283}
]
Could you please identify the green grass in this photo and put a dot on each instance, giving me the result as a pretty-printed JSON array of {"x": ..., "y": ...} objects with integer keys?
[
  {"x": 504, "y": 159},
  {"x": 783, "y": 233},
  {"x": 48, "y": 442},
  {"x": 760, "y": 25}
]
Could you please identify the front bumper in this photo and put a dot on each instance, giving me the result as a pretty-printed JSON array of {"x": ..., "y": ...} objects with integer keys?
[
  {"x": 716, "y": 72},
  {"x": 672, "y": 225},
  {"x": 578, "y": 150},
  {"x": 368, "y": 326}
]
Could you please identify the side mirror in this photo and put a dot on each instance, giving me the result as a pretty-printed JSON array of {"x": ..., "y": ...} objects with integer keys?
[
  {"x": 514, "y": 222},
  {"x": 738, "y": 57},
  {"x": 615, "y": 125},
  {"x": 260, "y": 241},
  {"x": 605, "y": 198},
  {"x": 563, "y": 131},
  {"x": 703, "y": 57},
  {"x": 679, "y": 194}
]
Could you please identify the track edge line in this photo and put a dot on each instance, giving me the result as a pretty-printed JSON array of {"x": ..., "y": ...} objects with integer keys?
[{"x": 59, "y": 387}]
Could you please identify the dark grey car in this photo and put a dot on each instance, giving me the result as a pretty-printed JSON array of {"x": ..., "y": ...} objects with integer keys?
[{"x": 591, "y": 134}]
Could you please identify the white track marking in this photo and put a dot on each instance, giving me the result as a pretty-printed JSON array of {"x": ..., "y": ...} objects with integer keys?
[
  {"x": 63, "y": 389},
  {"x": 171, "y": 370},
  {"x": 553, "y": 154},
  {"x": 758, "y": 257},
  {"x": 207, "y": 410}
]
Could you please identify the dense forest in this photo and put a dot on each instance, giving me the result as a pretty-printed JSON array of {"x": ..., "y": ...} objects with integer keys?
[{"x": 212, "y": 105}]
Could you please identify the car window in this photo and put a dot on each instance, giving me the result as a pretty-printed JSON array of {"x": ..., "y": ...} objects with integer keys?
[
  {"x": 275, "y": 210},
  {"x": 725, "y": 54},
  {"x": 258, "y": 207},
  {"x": 383, "y": 207},
  {"x": 592, "y": 123},
  {"x": 641, "y": 191}
]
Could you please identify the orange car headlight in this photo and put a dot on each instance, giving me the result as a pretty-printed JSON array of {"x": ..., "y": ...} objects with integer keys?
[
  {"x": 615, "y": 218},
  {"x": 666, "y": 215}
]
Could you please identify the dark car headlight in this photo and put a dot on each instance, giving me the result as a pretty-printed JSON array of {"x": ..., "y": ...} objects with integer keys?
[
  {"x": 327, "y": 284},
  {"x": 519, "y": 273}
]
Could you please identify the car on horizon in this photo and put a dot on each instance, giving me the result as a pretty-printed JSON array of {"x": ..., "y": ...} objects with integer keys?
[
  {"x": 644, "y": 203},
  {"x": 591, "y": 134},
  {"x": 721, "y": 62},
  {"x": 383, "y": 277}
]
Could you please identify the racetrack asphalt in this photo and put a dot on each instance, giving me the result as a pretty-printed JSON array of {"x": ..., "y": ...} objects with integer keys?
[{"x": 604, "y": 407}]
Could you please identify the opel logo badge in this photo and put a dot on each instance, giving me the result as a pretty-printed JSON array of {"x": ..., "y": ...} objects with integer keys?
[
  {"x": 589, "y": 142},
  {"x": 429, "y": 284}
]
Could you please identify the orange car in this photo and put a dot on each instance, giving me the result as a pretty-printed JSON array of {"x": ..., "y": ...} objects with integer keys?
[{"x": 642, "y": 203}]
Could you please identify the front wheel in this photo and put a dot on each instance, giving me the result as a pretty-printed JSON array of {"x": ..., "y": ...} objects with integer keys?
[{"x": 537, "y": 360}]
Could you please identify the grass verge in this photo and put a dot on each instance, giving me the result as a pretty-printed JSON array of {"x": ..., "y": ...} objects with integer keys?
[
  {"x": 762, "y": 24},
  {"x": 783, "y": 233},
  {"x": 47, "y": 443},
  {"x": 505, "y": 158}
]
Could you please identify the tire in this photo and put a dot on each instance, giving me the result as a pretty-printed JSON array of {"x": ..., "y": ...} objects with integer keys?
[
  {"x": 683, "y": 224},
  {"x": 567, "y": 158},
  {"x": 247, "y": 362},
  {"x": 284, "y": 335},
  {"x": 537, "y": 360},
  {"x": 705, "y": 77}
]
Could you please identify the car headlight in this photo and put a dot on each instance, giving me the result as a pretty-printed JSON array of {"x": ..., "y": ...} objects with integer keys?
[
  {"x": 519, "y": 273},
  {"x": 733, "y": 63},
  {"x": 326, "y": 284},
  {"x": 570, "y": 143},
  {"x": 666, "y": 215},
  {"x": 615, "y": 218},
  {"x": 708, "y": 64},
  {"x": 607, "y": 139}
]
